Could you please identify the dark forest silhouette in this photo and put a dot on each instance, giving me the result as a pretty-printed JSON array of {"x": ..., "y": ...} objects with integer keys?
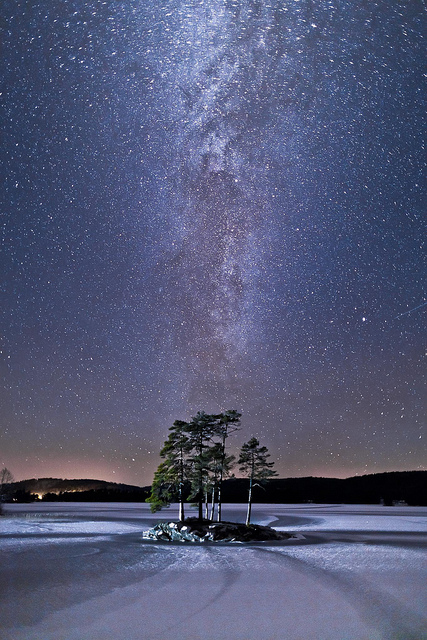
[{"x": 407, "y": 486}]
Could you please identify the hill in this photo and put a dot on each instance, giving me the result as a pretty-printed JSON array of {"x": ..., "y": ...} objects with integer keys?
[
  {"x": 386, "y": 488},
  {"x": 78, "y": 490}
]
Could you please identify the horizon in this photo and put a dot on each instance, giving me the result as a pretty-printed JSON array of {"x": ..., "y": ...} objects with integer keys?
[
  {"x": 124, "y": 478},
  {"x": 84, "y": 479}
]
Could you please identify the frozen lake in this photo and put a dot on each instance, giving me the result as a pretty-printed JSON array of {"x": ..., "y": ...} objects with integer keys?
[{"x": 81, "y": 571}]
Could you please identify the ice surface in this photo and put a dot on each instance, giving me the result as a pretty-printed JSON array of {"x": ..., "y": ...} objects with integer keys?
[
  {"x": 83, "y": 572},
  {"x": 357, "y": 518},
  {"x": 18, "y": 532}
]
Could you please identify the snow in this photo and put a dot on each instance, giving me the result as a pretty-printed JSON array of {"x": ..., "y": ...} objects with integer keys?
[
  {"x": 358, "y": 518},
  {"x": 32, "y": 531},
  {"x": 83, "y": 572}
]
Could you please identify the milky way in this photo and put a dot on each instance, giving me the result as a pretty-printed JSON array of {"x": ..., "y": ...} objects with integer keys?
[{"x": 213, "y": 204}]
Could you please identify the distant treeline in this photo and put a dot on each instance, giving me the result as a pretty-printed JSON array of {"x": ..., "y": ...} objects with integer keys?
[
  {"x": 409, "y": 487},
  {"x": 56, "y": 489},
  {"x": 99, "y": 495},
  {"x": 387, "y": 488}
]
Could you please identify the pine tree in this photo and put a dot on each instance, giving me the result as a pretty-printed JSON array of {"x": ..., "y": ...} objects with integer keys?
[
  {"x": 172, "y": 474},
  {"x": 253, "y": 463},
  {"x": 194, "y": 456},
  {"x": 220, "y": 466},
  {"x": 6, "y": 479},
  {"x": 227, "y": 423},
  {"x": 200, "y": 430}
]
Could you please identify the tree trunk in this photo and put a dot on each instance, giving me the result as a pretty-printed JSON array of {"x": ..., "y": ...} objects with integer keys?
[
  {"x": 219, "y": 503},
  {"x": 213, "y": 504},
  {"x": 181, "y": 485},
  {"x": 206, "y": 505},
  {"x": 221, "y": 477},
  {"x": 248, "y": 516},
  {"x": 201, "y": 492},
  {"x": 181, "y": 502}
]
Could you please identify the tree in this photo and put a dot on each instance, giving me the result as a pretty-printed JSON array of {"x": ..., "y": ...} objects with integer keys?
[
  {"x": 253, "y": 463},
  {"x": 172, "y": 474},
  {"x": 219, "y": 466},
  {"x": 228, "y": 422},
  {"x": 194, "y": 457},
  {"x": 201, "y": 429},
  {"x": 6, "y": 479}
]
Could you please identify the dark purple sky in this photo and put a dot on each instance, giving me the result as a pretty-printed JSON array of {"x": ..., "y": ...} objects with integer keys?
[{"x": 213, "y": 205}]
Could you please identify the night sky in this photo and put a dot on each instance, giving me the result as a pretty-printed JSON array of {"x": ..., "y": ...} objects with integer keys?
[{"x": 211, "y": 205}]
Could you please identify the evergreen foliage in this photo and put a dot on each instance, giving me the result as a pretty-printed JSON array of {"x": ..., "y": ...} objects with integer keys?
[
  {"x": 253, "y": 463},
  {"x": 195, "y": 463},
  {"x": 172, "y": 474},
  {"x": 6, "y": 479}
]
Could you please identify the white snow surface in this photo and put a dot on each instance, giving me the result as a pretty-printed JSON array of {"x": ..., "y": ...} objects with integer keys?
[
  {"x": 82, "y": 571},
  {"x": 357, "y": 518}
]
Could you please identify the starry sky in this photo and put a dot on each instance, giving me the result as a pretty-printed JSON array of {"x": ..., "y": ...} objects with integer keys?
[{"x": 211, "y": 205}]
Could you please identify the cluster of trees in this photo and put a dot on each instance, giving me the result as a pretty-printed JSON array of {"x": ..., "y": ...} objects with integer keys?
[
  {"x": 106, "y": 494},
  {"x": 195, "y": 463},
  {"x": 6, "y": 479}
]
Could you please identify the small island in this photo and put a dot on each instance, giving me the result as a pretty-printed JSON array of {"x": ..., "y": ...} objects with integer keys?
[
  {"x": 194, "y": 467},
  {"x": 194, "y": 530}
]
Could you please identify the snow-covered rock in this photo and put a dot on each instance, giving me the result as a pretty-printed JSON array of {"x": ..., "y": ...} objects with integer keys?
[{"x": 192, "y": 530}]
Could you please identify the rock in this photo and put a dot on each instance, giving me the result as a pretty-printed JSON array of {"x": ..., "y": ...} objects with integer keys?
[{"x": 192, "y": 530}]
